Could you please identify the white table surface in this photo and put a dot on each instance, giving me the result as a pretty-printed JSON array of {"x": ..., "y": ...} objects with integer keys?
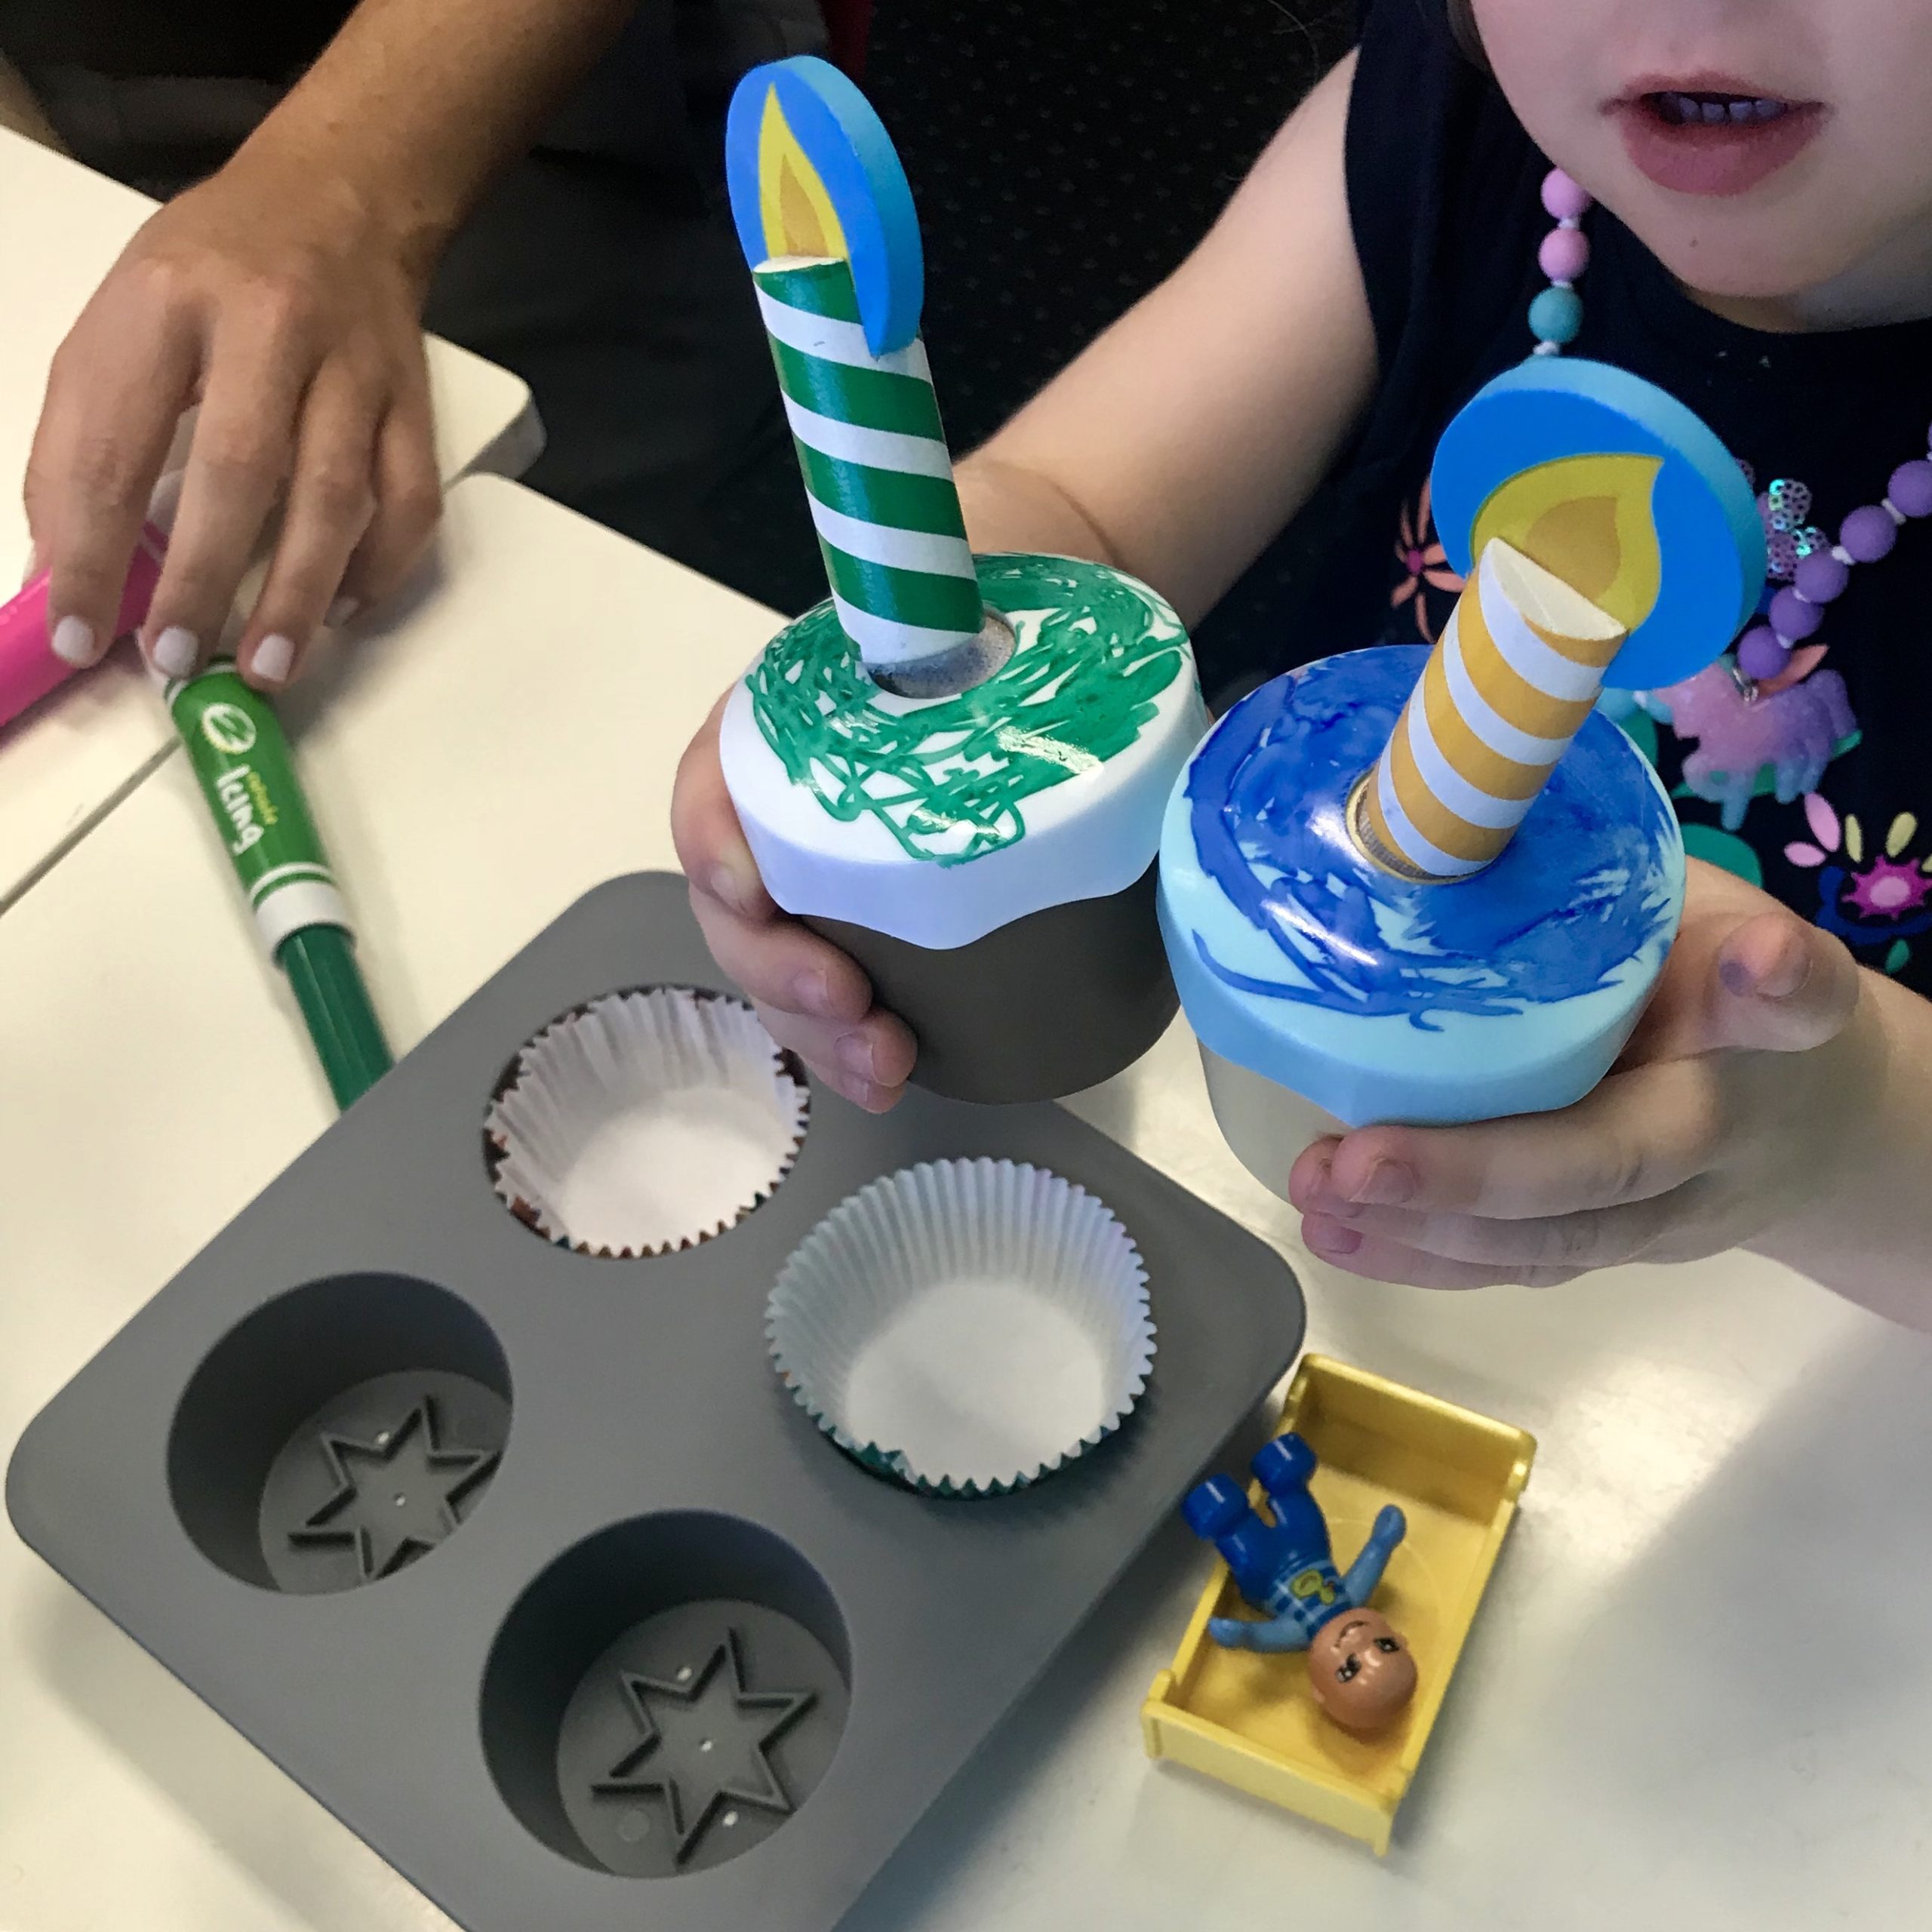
[
  {"x": 61, "y": 227},
  {"x": 1648, "y": 1727}
]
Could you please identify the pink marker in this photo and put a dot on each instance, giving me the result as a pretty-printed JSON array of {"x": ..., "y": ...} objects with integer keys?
[{"x": 28, "y": 669}]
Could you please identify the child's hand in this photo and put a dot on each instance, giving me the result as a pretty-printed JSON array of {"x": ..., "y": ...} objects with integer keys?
[
  {"x": 1742, "y": 1099},
  {"x": 811, "y": 996}
]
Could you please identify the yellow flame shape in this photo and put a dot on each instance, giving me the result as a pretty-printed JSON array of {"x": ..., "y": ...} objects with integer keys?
[
  {"x": 793, "y": 203},
  {"x": 1586, "y": 519}
]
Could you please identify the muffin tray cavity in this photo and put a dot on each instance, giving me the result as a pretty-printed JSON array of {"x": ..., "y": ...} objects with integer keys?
[{"x": 525, "y": 1561}]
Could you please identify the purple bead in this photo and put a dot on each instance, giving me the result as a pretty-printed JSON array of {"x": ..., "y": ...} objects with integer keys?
[
  {"x": 1821, "y": 577},
  {"x": 1792, "y": 618},
  {"x": 1565, "y": 254},
  {"x": 1760, "y": 656},
  {"x": 1911, "y": 488},
  {"x": 1869, "y": 534},
  {"x": 1564, "y": 199}
]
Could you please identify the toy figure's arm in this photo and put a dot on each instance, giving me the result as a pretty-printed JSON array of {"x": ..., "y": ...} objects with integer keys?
[
  {"x": 1281, "y": 1633},
  {"x": 1365, "y": 1572}
]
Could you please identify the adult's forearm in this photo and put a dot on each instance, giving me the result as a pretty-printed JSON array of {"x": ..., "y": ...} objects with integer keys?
[
  {"x": 1868, "y": 1235},
  {"x": 415, "y": 104}
]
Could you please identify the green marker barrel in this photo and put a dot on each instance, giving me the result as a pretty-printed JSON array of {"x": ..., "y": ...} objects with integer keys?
[{"x": 235, "y": 743}]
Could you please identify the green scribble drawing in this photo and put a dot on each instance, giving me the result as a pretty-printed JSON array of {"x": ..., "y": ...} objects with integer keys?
[{"x": 947, "y": 779}]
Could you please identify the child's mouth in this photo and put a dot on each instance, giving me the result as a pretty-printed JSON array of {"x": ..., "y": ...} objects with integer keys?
[{"x": 1712, "y": 139}]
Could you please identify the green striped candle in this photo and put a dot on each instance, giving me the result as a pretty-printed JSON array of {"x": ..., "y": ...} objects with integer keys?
[{"x": 877, "y": 474}]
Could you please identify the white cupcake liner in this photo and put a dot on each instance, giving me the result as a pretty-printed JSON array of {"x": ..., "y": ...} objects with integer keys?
[
  {"x": 645, "y": 1122},
  {"x": 966, "y": 1327}
]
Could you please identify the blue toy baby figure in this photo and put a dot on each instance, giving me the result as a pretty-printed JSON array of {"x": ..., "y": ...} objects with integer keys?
[{"x": 1360, "y": 1671}]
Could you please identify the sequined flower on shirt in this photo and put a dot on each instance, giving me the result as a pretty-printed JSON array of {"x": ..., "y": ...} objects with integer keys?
[
  {"x": 1881, "y": 900},
  {"x": 1426, "y": 564},
  {"x": 1790, "y": 537}
]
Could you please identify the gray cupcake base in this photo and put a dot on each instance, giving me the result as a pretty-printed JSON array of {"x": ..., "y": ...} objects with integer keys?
[
  {"x": 525, "y": 1563},
  {"x": 1037, "y": 1009}
]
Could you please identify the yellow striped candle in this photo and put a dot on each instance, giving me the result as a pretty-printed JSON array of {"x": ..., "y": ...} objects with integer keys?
[{"x": 1511, "y": 679}]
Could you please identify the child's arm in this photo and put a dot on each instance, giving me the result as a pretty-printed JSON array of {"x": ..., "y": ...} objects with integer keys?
[
  {"x": 1174, "y": 448},
  {"x": 1187, "y": 434},
  {"x": 1776, "y": 1097}
]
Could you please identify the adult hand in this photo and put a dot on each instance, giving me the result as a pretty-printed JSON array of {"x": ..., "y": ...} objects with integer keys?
[
  {"x": 275, "y": 295},
  {"x": 1744, "y": 1097},
  {"x": 811, "y": 996}
]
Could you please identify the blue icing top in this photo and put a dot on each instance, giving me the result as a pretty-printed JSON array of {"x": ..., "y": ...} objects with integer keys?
[
  {"x": 1296, "y": 957},
  {"x": 1268, "y": 789}
]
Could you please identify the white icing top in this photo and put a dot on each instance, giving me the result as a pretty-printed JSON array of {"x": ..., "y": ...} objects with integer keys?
[{"x": 1045, "y": 784}]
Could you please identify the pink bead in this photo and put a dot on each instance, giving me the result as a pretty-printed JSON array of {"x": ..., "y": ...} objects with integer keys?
[
  {"x": 1911, "y": 488},
  {"x": 1565, "y": 254},
  {"x": 1869, "y": 534},
  {"x": 1760, "y": 656},
  {"x": 1563, "y": 198},
  {"x": 1792, "y": 618},
  {"x": 1820, "y": 577}
]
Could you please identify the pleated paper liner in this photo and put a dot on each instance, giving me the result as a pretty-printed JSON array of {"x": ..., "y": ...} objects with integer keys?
[
  {"x": 966, "y": 1328},
  {"x": 644, "y": 1122}
]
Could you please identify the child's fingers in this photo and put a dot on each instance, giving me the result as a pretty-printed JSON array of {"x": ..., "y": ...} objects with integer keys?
[
  {"x": 1783, "y": 986},
  {"x": 1607, "y": 1238},
  {"x": 867, "y": 1061},
  {"x": 779, "y": 963},
  {"x": 705, "y": 828},
  {"x": 1378, "y": 1258},
  {"x": 1641, "y": 1133}
]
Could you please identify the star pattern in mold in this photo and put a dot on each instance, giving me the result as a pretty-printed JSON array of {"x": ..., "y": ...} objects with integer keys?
[
  {"x": 700, "y": 1720},
  {"x": 396, "y": 1497}
]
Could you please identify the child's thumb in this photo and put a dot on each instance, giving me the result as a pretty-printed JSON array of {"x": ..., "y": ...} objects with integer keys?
[{"x": 1783, "y": 986}]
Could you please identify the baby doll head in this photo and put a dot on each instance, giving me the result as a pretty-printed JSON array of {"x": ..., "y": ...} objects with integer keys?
[
  {"x": 1777, "y": 154},
  {"x": 1362, "y": 1673}
]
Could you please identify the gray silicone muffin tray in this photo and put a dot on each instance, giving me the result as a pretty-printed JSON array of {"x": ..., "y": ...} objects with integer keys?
[{"x": 635, "y": 1615}]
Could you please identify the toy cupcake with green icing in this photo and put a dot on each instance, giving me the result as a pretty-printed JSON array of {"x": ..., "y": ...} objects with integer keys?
[{"x": 955, "y": 768}]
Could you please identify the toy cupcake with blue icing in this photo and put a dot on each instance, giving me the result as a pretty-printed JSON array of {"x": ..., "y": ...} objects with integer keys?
[
  {"x": 956, "y": 767},
  {"x": 1438, "y": 884}
]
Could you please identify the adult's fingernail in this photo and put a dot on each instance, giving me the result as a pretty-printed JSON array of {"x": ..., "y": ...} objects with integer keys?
[
  {"x": 812, "y": 991},
  {"x": 1387, "y": 1184},
  {"x": 31, "y": 569},
  {"x": 274, "y": 659},
  {"x": 340, "y": 612},
  {"x": 73, "y": 642},
  {"x": 856, "y": 1055},
  {"x": 175, "y": 651},
  {"x": 725, "y": 888}
]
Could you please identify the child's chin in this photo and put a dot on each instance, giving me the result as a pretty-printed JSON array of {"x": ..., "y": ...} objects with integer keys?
[{"x": 1756, "y": 258}]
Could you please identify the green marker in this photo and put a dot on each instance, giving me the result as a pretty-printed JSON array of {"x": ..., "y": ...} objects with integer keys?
[{"x": 235, "y": 744}]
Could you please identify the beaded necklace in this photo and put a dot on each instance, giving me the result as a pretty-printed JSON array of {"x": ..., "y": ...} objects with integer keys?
[{"x": 1822, "y": 572}]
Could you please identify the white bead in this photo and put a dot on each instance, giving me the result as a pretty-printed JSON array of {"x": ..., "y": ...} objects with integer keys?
[
  {"x": 1892, "y": 511},
  {"x": 1570, "y": 221},
  {"x": 1546, "y": 348},
  {"x": 1557, "y": 282},
  {"x": 1844, "y": 555}
]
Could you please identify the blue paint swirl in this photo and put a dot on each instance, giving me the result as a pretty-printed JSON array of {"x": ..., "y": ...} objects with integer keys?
[{"x": 1582, "y": 886}]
